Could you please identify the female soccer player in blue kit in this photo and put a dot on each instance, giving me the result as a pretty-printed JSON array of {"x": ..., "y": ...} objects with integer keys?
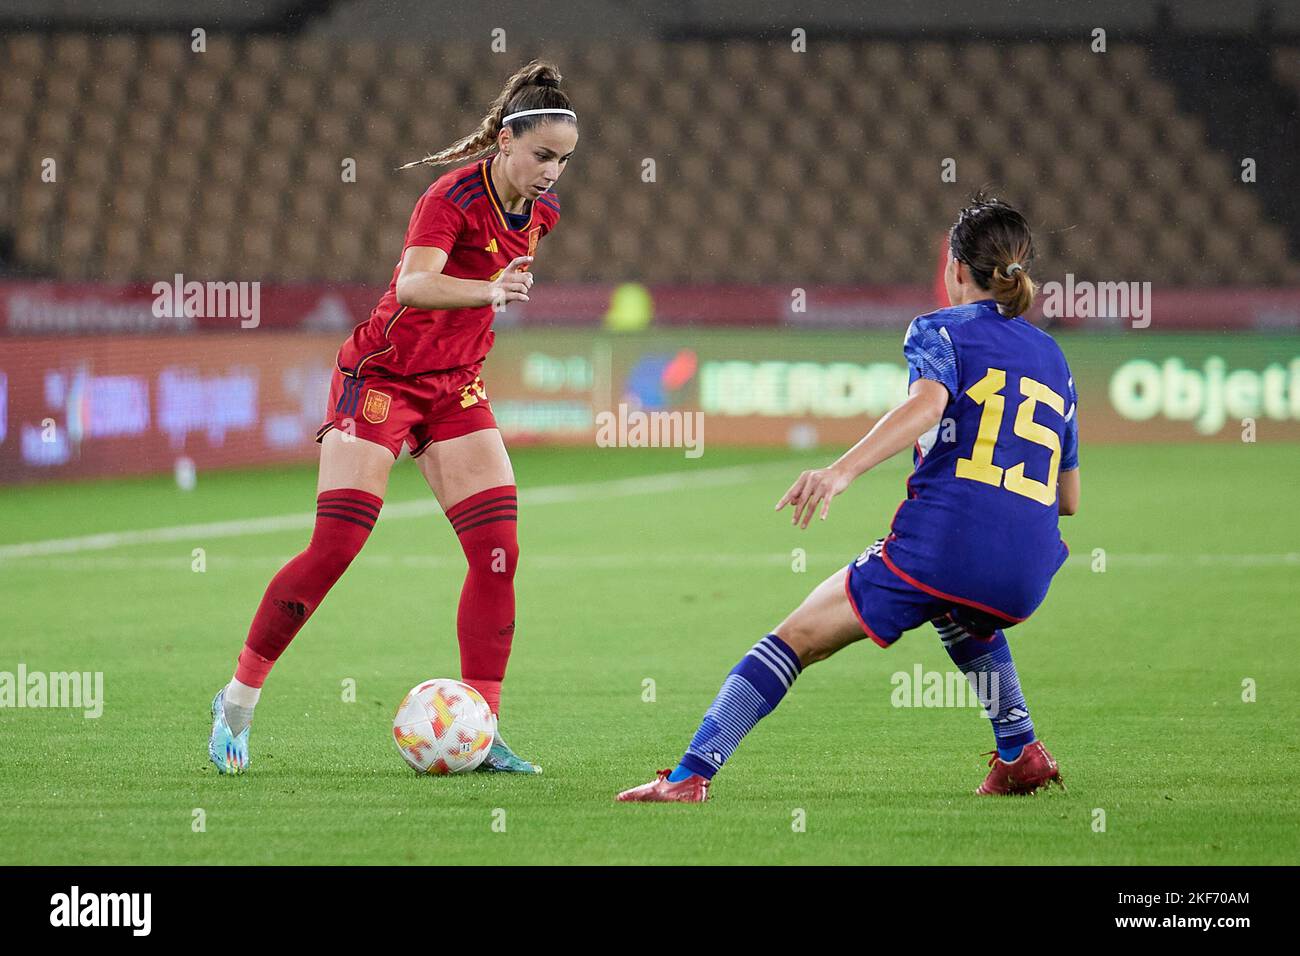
[{"x": 991, "y": 417}]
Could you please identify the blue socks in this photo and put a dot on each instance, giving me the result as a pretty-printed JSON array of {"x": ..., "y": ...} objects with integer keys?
[
  {"x": 989, "y": 668},
  {"x": 758, "y": 683},
  {"x": 751, "y": 691}
]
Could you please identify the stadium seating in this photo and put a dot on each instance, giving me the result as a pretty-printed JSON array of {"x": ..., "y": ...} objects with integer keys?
[{"x": 769, "y": 166}]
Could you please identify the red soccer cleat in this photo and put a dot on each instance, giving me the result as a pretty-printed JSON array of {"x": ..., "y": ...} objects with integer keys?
[
  {"x": 694, "y": 789},
  {"x": 1034, "y": 768}
]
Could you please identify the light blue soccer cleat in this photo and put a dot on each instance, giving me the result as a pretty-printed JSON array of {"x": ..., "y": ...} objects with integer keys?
[
  {"x": 501, "y": 759},
  {"x": 228, "y": 752}
]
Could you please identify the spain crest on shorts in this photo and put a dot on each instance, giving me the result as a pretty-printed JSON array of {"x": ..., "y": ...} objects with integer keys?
[{"x": 375, "y": 408}]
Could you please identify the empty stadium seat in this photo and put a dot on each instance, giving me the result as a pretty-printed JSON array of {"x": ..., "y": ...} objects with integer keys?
[{"x": 770, "y": 165}]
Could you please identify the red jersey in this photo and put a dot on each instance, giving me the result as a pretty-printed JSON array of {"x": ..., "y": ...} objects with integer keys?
[{"x": 462, "y": 215}]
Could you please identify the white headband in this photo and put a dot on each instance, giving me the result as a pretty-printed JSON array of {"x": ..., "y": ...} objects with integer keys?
[{"x": 507, "y": 119}]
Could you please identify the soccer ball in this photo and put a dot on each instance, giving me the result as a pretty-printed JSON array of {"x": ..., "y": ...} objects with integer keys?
[{"x": 443, "y": 726}]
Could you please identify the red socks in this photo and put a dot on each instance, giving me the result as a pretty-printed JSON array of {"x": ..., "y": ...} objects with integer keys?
[
  {"x": 487, "y": 524},
  {"x": 344, "y": 518}
]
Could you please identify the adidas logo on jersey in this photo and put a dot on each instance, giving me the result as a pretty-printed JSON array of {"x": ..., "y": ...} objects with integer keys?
[{"x": 492, "y": 245}]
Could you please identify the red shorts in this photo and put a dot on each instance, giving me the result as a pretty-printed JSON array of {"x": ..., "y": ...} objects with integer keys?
[{"x": 418, "y": 411}]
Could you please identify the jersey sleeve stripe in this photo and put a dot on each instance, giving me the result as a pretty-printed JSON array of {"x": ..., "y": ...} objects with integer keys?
[
  {"x": 464, "y": 201},
  {"x": 461, "y": 186}
]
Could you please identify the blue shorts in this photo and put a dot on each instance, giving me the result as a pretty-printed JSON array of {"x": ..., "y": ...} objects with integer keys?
[{"x": 886, "y": 605}]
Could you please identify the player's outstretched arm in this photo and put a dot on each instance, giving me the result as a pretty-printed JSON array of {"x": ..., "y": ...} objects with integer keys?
[
  {"x": 421, "y": 284},
  {"x": 1067, "y": 488},
  {"x": 898, "y": 429}
]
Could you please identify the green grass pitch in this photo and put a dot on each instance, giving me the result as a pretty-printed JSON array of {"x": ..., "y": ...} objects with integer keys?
[{"x": 1134, "y": 676}]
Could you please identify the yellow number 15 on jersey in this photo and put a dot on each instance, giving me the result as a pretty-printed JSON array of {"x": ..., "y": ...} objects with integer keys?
[{"x": 979, "y": 466}]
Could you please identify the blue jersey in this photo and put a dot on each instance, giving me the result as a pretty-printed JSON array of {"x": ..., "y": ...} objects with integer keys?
[{"x": 980, "y": 520}]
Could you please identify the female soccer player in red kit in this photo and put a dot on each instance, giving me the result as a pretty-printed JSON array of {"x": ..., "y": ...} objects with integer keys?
[{"x": 411, "y": 374}]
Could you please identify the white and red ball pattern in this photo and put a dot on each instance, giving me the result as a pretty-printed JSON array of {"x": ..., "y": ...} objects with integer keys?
[{"x": 443, "y": 726}]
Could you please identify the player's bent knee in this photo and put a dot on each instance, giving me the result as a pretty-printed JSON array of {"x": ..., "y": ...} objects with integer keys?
[
  {"x": 344, "y": 519},
  {"x": 487, "y": 524},
  {"x": 822, "y": 624},
  {"x": 802, "y": 639},
  {"x": 495, "y": 551},
  {"x": 505, "y": 558}
]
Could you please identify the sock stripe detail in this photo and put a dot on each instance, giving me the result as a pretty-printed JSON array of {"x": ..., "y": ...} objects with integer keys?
[
  {"x": 467, "y": 527},
  {"x": 780, "y": 667},
  {"x": 459, "y": 511},
  {"x": 750, "y": 692},
  {"x": 372, "y": 515},
  {"x": 785, "y": 652},
  {"x": 461, "y": 522},
  {"x": 738, "y": 708},
  {"x": 780, "y": 675},
  {"x": 368, "y": 525},
  {"x": 486, "y": 507},
  {"x": 371, "y": 509},
  {"x": 950, "y": 632},
  {"x": 989, "y": 667}
]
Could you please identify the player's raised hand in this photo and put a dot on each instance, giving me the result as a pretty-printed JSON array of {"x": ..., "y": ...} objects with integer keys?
[
  {"x": 813, "y": 488},
  {"x": 512, "y": 284}
]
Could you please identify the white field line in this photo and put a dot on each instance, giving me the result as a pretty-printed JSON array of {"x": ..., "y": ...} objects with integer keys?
[
  {"x": 607, "y": 561},
  {"x": 530, "y": 497}
]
